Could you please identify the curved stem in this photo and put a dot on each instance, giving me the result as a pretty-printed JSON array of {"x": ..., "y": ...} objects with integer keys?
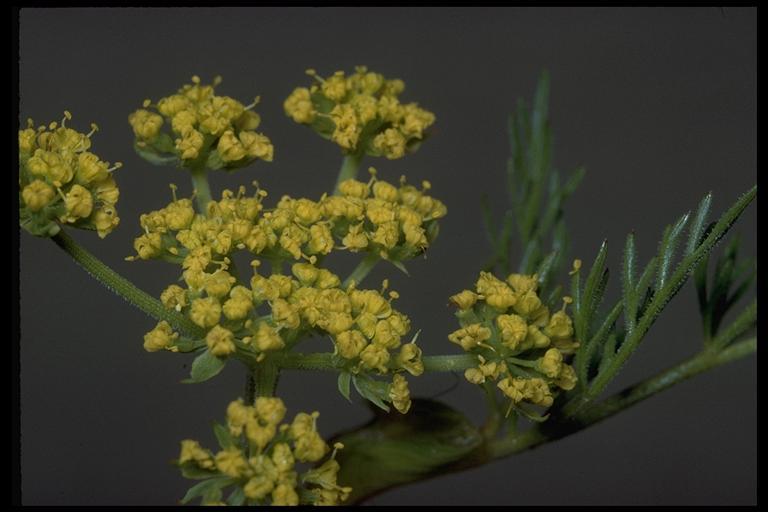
[
  {"x": 362, "y": 269},
  {"x": 628, "y": 397},
  {"x": 200, "y": 184},
  {"x": 349, "y": 167},
  {"x": 122, "y": 287}
]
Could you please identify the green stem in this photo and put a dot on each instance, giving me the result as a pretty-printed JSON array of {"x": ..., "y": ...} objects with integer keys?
[
  {"x": 628, "y": 397},
  {"x": 122, "y": 287},
  {"x": 313, "y": 362},
  {"x": 200, "y": 184},
  {"x": 362, "y": 269},
  {"x": 349, "y": 167},
  {"x": 250, "y": 386},
  {"x": 702, "y": 362},
  {"x": 266, "y": 376},
  {"x": 332, "y": 362},
  {"x": 493, "y": 420},
  {"x": 456, "y": 363}
]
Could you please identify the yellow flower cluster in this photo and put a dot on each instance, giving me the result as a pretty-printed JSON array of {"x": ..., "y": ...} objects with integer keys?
[
  {"x": 61, "y": 182},
  {"x": 361, "y": 113},
  {"x": 395, "y": 223},
  {"x": 259, "y": 455},
  {"x": 519, "y": 343},
  {"x": 217, "y": 131},
  {"x": 365, "y": 329}
]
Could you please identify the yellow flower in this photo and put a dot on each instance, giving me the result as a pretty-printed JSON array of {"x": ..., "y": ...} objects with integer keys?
[
  {"x": 513, "y": 330},
  {"x": 321, "y": 239},
  {"x": 399, "y": 394},
  {"x": 90, "y": 168},
  {"x": 259, "y": 434},
  {"x": 536, "y": 338},
  {"x": 190, "y": 144},
  {"x": 230, "y": 149},
  {"x": 145, "y": 124},
  {"x": 105, "y": 220},
  {"x": 27, "y": 140},
  {"x": 267, "y": 338},
  {"x": 285, "y": 314},
  {"x": 469, "y": 337},
  {"x": 375, "y": 357},
  {"x": 159, "y": 338},
  {"x": 172, "y": 105},
  {"x": 239, "y": 305},
  {"x": 464, "y": 299},
  {"x": 305, "y": 273},
  {"x": 299, "y": 106},
  {"x": 79, "y": 203},
  {"x": 354, "y": 188},
  {"x": 522, "y": 283},
  {"x": 191, "y": 451},
  {"x": 347, "y": 129},
  {"x": 282, "y": 457},
  {"x": 284, "y": 495},
  {"x": 551, "y": 364},
  {"x": 390, "y": 143},
  {"x": 183, "y": 121},
  {"x": 148, "y": 246},
  {"x": 219, "y": 283},
  {"x": 37, "y": 195},
  {"x": 205, "y": 312},
  {"x": 349, "y": 344},
  {"x": 385, "y": 335},
  {"x": 474, "y": 375},
  {"x": 220, "y": 341},
  {"x": 387, "y": 235},
  {"x": 231, "y": 462},
  {"x": 560, "y": 326},
  {"x": 567, "y": 378},
  {"x": 415, "y": 121},
  {"x": 527, "y": 303},
  {"x": 410, "y": 359},
  {"x": 237, "y": 416},
  {"x": 385, "y": 191},
  {"x": 355, "y": 239},
  {"x": 258, "y": 487}
]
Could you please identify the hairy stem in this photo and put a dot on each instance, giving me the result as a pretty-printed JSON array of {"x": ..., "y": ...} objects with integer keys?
[
  {"x": 122, "y": 287},
  {"x": 702, "y": 362},
  {"x": 266, "y": 375},
  {"x": 628, "y": 397},
  {"x": 362, "y": 269},
  {"x": 348, "y": 170}
]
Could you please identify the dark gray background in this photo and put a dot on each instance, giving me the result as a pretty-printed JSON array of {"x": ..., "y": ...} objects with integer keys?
[{"x": 658, "y": 104}]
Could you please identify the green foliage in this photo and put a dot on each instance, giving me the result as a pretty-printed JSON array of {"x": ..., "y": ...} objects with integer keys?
[
  {"x": 731, "y": 280},
  {"x": 209, "y": 490},
  {"x": 375, "y": 391},
  {"x": 204, "y": 367},
  {"x": 603, "y": 353},
  {"x": 536, "y": 195}
]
